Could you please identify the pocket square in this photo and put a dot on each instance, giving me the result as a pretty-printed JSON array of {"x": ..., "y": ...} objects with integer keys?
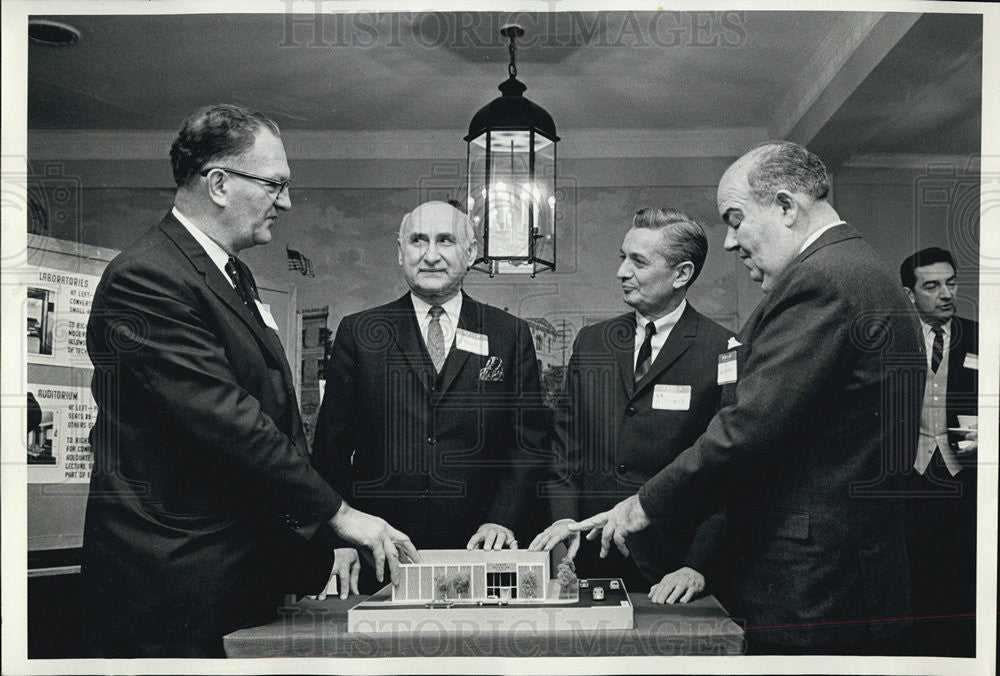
[
  {"x": 493, "y": 370},
  {"x": 733, "y": 343}
]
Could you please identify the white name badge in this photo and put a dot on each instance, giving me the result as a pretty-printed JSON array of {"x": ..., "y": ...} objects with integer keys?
[
  {"x": 476, "y": 343},
  {"x": 265, "y": 313},
  {"x": 971, "y": 361},
  {"x": 672, "y": 397},
  {"x": 727, "y": 368}
]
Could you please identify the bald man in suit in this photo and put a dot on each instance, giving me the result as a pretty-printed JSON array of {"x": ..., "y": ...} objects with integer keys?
[
  {"x": 828, "y": 374},
  {"x": 432, "y": 414}
]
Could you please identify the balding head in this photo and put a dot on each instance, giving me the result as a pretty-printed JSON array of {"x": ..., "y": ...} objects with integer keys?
[
  {"x": 773, "y": 198},
  {"x": 437, "y": 247}
]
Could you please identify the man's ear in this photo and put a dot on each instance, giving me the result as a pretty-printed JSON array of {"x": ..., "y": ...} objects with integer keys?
[
  {"x": 218, "y": 190},
  {"x": 789, "y": 207},
  {"x": 909, "y": 294},
  {"x": 399, "y": 250},
  {"x": 472, "y": 254},
  {"x": 685, "y": 271}
]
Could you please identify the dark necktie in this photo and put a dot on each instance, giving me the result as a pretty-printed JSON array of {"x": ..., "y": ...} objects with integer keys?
[
  {"x": 245, "y": 285},
  {"x": 937, "y": 349},
  {"x": 644, "y": 360},
  {"x": 435, "y": 338}
]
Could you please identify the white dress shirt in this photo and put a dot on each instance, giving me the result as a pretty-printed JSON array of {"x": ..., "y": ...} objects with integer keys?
[
  {"x": 449, "y": 319},
  {"x": 663, "y": 326},
  {"x": 813, "y": 237},
  {"x": 214, "y": 251}
]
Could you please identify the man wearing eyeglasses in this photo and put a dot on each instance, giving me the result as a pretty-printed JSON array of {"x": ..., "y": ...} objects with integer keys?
[{"x": 204, "y": 508}]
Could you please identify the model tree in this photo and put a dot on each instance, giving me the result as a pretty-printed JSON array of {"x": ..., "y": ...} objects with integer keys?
[
  {"x": 566, "y": 577},
  {"x": 529, "y": 585},
  {"x": 442, "y": 585},
  {"x": 460, "y": 584}
]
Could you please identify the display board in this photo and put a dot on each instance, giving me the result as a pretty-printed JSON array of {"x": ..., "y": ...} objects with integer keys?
[{"x": 59, "y": 281}]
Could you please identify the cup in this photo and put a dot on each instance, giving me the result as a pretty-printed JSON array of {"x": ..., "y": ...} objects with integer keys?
[{"x": 969, "y": 422}]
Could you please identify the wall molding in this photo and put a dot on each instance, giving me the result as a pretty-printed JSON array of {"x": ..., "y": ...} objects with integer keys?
[
  {"x": 403, "y": 144},
  {"x": 961, "y": 164}
]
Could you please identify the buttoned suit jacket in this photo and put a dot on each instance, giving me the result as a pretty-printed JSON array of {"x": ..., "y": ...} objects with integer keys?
[
  {"x": 437, "y": 456},
  {"x": 811, "y": 449},
  {"x": 609, "y": 438},
  {"x": 203, "y": 505}
]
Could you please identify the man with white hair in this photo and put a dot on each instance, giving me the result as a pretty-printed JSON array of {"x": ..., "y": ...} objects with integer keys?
[{"x": 432, "y": 412}]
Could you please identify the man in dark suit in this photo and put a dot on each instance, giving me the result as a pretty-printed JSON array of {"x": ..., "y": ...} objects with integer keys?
[
  {"x": 941, "y": 510},
  {"x": 203, "y": 507},
  {"x": 640, "y": 389},
  {"x": 432, "y": 414},
  {"x": 828, "y": 380}
]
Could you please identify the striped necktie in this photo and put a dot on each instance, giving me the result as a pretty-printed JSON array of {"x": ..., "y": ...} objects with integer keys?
[
  {"x": 435, "y": 337},
  {"x": 644, "y": 360}
]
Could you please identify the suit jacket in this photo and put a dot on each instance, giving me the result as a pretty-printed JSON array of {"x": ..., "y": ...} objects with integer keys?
[
  {"x": 824, "y": 416},
  {"x": 436, "y": 456},
  {"x": 942, "y": 515},
  {"x": 609, "y": 439},
  {"x": 202, "y": 494},
  {"x": 963, "y": 381}
]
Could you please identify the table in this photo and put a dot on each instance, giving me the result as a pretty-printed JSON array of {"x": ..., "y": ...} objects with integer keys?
[{"x": 311, "y": 628}]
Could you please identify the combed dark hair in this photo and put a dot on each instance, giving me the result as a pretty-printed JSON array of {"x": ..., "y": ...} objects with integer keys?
[
  {"x": 684, "y": 238},
  {"x": 214, "y": 132},
  {"x": 783, "y": 165},
  {"x": 929, "y": 256}
]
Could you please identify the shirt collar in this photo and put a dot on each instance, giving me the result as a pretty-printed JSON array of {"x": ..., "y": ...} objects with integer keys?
[
  {"x": 664, "y": 323},
  {"x": 929, "y": 328},
  {"x": 452, "y": 308},
  {"x": 214, "y": 251},
  {"x": 813, "y": 237}
]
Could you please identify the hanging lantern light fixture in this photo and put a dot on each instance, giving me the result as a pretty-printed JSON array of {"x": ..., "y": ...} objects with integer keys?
[{"x": 512, "y": 178}]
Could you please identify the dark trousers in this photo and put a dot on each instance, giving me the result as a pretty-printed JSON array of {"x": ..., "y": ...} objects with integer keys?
[{"x": 941, "y": 543}]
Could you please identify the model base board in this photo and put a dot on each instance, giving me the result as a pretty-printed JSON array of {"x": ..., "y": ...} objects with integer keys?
[{"x": 379, "y": 614}]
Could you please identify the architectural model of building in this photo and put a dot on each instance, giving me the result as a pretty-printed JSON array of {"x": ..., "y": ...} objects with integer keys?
[
  {"x": 462, "y": 591},
  {"x": 472, "y": 576}
]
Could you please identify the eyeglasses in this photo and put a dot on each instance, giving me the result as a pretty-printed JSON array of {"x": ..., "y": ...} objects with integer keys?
[{"x": 274, "y": 186}]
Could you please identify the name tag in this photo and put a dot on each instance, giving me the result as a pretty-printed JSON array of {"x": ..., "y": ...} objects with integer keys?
[
  {"x": 672, "y": 397},
  {"x": 971, "y": 361},
  {"x": 265, "y": 313},
  {"x": 727, "y": 368},
  {"x": 476, "y": 343}
]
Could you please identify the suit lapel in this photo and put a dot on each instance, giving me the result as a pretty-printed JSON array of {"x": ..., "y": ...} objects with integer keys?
[
  {"x": 680, "y": 339},
  {"x": 470, "y": 319},
  {"x": 220, "y": 286},
  {"x": 409, "y": 341},
  {"x": 621, "y": 338}
]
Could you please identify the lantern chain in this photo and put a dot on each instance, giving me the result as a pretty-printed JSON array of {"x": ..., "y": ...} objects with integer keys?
[{"x": 512, "y": 68}]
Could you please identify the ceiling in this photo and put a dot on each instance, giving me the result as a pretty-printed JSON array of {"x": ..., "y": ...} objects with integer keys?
[{"x": 849, "y": 83}]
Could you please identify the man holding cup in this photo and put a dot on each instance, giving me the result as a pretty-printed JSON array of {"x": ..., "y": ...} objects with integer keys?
[{"x": 941, "y": 523}]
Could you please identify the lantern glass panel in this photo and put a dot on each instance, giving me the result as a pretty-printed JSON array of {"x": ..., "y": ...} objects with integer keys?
[
  {"x": 511, "y": 199},
  {"x": 510, "y": 195},
  {"x": 544, "y": 200}
]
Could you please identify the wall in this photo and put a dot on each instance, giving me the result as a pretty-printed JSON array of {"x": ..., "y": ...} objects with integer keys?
[
  {"x": 349, "y": 232},
  {"x": 350, "y": 236},
  {"x": 904, "y": 209}
]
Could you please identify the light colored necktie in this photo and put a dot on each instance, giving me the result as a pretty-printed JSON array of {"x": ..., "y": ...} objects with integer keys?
[
  {"x": 644, "y": 360},
  {"x": 435, "y": 337}
]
